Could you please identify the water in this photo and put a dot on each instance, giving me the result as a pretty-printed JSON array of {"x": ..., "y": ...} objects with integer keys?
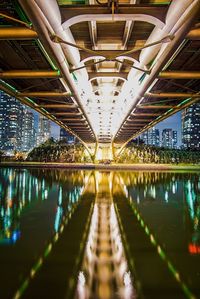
[{"x": 84, "y": 234}]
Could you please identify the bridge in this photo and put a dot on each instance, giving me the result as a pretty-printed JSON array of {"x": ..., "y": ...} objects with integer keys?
[{"x": 106, "y": 71}]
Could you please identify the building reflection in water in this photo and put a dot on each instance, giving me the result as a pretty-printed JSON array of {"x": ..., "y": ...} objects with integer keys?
[{"x": 19, "y": 188}]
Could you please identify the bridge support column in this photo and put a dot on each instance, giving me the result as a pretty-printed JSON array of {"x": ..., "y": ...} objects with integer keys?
[{"x": 104, "y": 152}]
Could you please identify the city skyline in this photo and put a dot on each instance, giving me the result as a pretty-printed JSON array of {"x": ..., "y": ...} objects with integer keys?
[
  {"x": 20, "y": 129},
  {"x": 174, "y": 122}
]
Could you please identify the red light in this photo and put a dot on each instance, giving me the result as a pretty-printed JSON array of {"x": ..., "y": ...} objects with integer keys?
[{"x": 194, "y": 249}]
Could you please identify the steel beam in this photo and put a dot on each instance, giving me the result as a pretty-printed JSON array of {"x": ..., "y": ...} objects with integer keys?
[
  {"x": 172, "y": 95},
  {"x": 179, "y": 75},
  {"x": 65, "y": 106},
  {"x": 194, "y": 34},
  {"x": 13, "y": 33},
  {"x": 136, "y": 120},
  {"x": 154, "y": 106},
  {"x": 145, "y": 114},
  {"x": 135, "y": 125},
  {"x": 83, "y": 130},
  {"x": 129, "y": 123},
  {"x": 70, "y": 124},
  {"x": 127, "y": 135},
  {"x": 110, "y": 54},
  {"x": 132, "y": 128},
  {"x": 73, "y": 120},
  {"x": 122, "y": 75},
  {"x": 46, "y": 94},
  {"x": 67, "y": 113},
  {"x": 81, "y": 124},
  {"x": 26, "y": 74},
  {"x": 70, "y": 11},
  {"x": 79, "y": 127}
]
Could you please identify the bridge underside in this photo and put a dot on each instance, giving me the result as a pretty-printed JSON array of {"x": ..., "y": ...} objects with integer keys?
[{"x": 107, "y": 72}]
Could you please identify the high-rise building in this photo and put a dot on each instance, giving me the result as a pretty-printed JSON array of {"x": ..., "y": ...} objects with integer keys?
[
  {"x": 169, "y": 138},
  {"x": 28, "y": 131},
  {"x": 144, "y": 137},
  {"x": 11, "y": 112},
  {"x": 151, "y": 137},
  {"x": 154, "y": 137},
  {"x": 66, "y": 136},
  {"x": 191, "y": 127},
  {"x": 174, "y": 139},
  {"x": 44, "y": 129}
]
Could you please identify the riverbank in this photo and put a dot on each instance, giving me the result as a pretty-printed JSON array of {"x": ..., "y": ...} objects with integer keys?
[{"x": 112, "y": 166}]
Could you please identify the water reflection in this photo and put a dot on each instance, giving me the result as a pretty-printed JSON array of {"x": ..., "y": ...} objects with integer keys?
[
  {"x": 166, "y": 205},
  {"x": 192, "y": 198},
  {"x": 21, "y": 187},
  {"x": 104, "y": 272},
  {"x": 146, "y": 188},
  {"x": 35, "y": 207}
]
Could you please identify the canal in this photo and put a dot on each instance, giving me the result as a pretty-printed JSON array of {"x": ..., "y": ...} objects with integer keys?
[{"x": 99, "y": 234}]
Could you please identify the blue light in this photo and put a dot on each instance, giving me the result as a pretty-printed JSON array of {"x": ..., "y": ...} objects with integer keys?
[{"x": 15, "y": 236}]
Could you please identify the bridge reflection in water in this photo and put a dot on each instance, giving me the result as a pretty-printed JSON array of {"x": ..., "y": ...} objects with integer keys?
[
  {"x": 105, "y": 273},
  {"x": 83, "y": 234}
]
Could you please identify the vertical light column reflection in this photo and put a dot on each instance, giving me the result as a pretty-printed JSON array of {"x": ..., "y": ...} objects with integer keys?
[
  {"x": 191, "y": 189},
  {"x": 104, "y": 273}
]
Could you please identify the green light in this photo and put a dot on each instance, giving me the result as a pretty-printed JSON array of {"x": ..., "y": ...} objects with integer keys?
[
  {"x": 153, "y": 241},
  {"x": 187, "y": 292},
  {"x": 183, "y": 102},
  {"x": 9, "y": 86},
  {"x": 147, "y": 230},
  {"x": 159, "y": 117},
  {"x": 142, "y": 223},
  {"x": 13, "y": 89},
  {"x": 162, "y": 254},
  {"x": 31, "y": 101},
  {"x": 21, "y": 13},
  {"x": 24, "y": 287},
  {"x": 38, "y": 265},
  {"x": 44, "y": 110},
  {"x": 48, "y": 250},
  {"x": 47, "y": 56}
]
